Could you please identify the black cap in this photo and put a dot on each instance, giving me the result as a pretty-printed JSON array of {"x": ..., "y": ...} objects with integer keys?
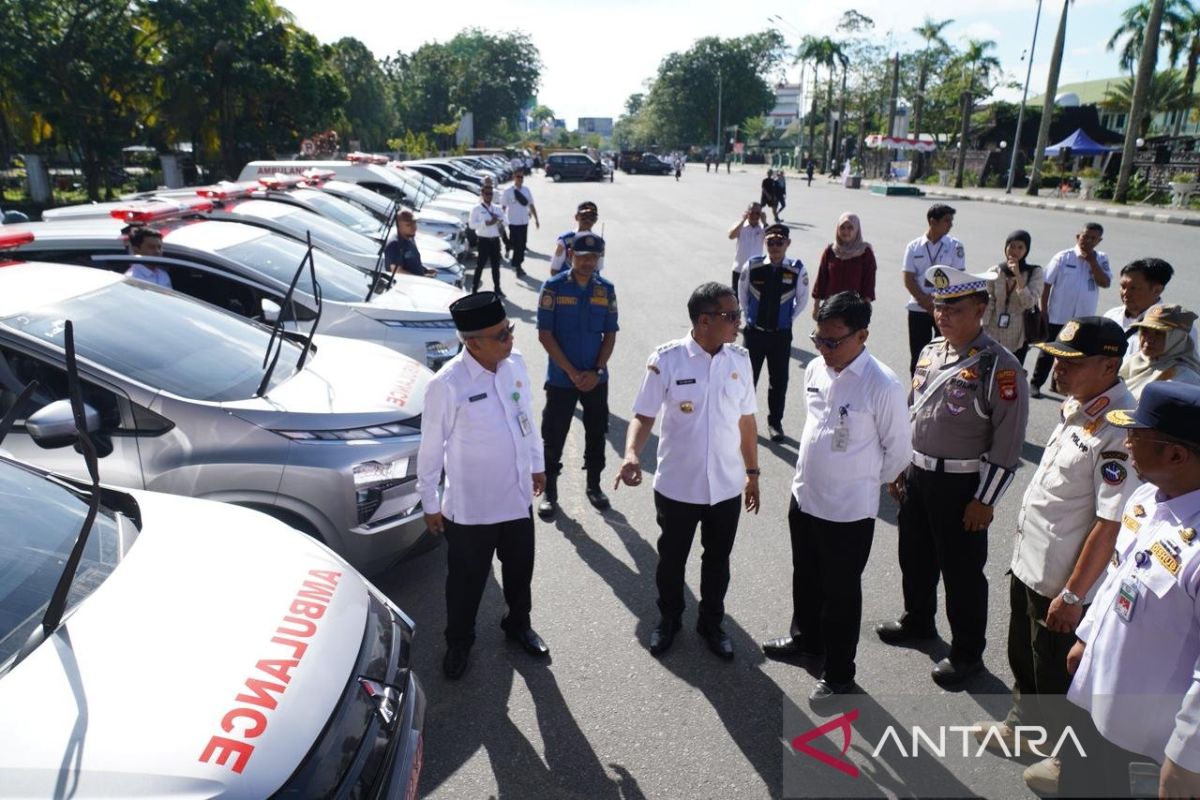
[
  {"x": 1088, "y": 336},
  {"x": 778, "y": 229},
  {"x": 478, "y": 311},
  {"x": 586, "y": 206},
  {"x": 588, "y": 243},
  {"x": 1168, "y": 407}
]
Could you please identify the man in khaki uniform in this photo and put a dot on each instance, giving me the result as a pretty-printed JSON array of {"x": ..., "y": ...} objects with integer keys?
[
  {"x": 1065, "y": 533},
  {"x": 969, "y": 410}
]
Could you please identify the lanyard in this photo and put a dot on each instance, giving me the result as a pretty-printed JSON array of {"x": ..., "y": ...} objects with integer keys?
[
  {"x": 945, "y": 375},
  {"x": 932, "y": 258}
]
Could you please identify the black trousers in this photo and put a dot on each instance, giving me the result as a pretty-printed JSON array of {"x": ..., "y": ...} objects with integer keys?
[
  {"x": 488, "y": 251},
  {"x": 828, "y": 559},
  {"x": 775, "y": 347},
  {"x": 518, "y": 237},
  {"x": 556, "y": 423},
  {"x": 921, "y": 331},
  {"x": 469, "y": 558},
  {"x": 1041, "y": 368},
  {"x": 737, "y": 276},
  {"x": 934, "y": 543},
  {"x": 718, "y": 528},
  {"x": 1038, "y": 657},
  {"x": 1105, "y": 770}
]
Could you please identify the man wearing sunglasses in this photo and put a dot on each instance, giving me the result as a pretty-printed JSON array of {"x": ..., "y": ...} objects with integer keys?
[
  {"x": 477, "y": 428},
  {"x": 856, "y": 438},
  {"x": 773, "y": 290},
  {"x": 969, "y": 409},
  {"x": 707, "y": 458}
]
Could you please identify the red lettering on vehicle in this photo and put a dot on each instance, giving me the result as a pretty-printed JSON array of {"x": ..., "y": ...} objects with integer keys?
[{"x": 245, "y": 720}]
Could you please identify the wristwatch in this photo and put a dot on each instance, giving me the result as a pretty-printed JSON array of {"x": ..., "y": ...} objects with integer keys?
[
  {"x": 1070, "y": 598},
  {"x": 601, "y": 371},
  {"x": 754, "y": 473}
]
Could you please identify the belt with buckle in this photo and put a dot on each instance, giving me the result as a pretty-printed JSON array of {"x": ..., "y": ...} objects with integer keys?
[{"x": 956, "y": 465}]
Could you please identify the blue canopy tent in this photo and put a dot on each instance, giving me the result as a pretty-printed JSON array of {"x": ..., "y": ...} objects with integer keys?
[{"x": 1079, "y": 144}]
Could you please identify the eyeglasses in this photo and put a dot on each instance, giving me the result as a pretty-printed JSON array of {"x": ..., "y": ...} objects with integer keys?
[
  {"x": 825, "y": 343},
  {"x": 728, "y": 316},
  {"x": 499, "y": 337}
]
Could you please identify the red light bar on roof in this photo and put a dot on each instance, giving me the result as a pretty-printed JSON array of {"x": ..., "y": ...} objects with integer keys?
[
  {"x": 228, "y": 190},
  {"x": 366, "y": 158},
  {"x": 154, "y": 212},
  {"x": 280, "y": 181},
  {"x": 14, "y": 239},
  {"x": 318, "y": 175}
]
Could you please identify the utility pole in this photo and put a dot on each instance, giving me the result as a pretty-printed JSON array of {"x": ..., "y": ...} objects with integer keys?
[
  {"x": 1016, "y": 145},
  {"x": 720, "y": 142}
]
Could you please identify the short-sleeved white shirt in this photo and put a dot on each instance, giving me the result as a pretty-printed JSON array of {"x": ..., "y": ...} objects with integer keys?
[
  {"x": 702, "y": 399},
  {"x": 517, "y": 214},
  {"x": 159, "y": 277},
  {"x": 921, "y": 254},
  {"x": 1074, "y": 291},
  {"x": 1084, "y": 474},
  {"x": 749, "y": 244}
]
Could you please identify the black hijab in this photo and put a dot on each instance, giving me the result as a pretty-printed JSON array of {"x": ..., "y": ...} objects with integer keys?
[{"x": 1023, "y": 237}]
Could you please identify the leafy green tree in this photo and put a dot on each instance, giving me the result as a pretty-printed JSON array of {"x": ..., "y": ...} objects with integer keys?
[
  {"x": 1141, "y": 88},
  {"x": 820, "y": 51},
  {"x": 1166, "y": 92},
  {"x": 1130, "y": 34},
  {"x": 370, "y": 110},
  {"x": 978, "y": 67}
]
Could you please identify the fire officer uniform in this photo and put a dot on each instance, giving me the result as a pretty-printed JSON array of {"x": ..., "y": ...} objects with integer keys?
[
  {"x": 579, "y": 318},
  {"x": 969, "y": 408},
  {"x": 772, "y": 297},
  {"x": 1137, "y": 676}
]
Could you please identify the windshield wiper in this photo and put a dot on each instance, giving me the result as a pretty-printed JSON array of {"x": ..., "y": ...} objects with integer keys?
[
  {"x": 275, "y": 343},
  {"x": 58, "y": 600},
  {"x": 312, "y": 272},
  {"x": 377, "y": 273}
]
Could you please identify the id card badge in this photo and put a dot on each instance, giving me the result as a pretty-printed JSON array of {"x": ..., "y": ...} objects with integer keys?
[
  {"x": 523, "y": 421},
  {"x": 1091, "y": 284},
  {"x": 841, "y": 434},
  {"x": 1003, "y": 320},
  {"x": 1126, "y": 599}
]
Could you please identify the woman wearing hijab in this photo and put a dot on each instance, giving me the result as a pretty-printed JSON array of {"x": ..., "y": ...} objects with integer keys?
[
  {"x": 1015, "y": 289},
  {"x": 847, "y": 265},
  {"x": 1166, "y": 350}
]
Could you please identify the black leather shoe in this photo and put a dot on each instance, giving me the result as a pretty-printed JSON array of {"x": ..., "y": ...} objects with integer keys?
[
  {"x": 825, "y": 690},
  {"x": 663, "y": 636},
  {"x": 547, "y": 509},
  {"x": 776, "y": 432},
  {"x": 950, "y": 673},
  {"x": 788, "y": 647},
  {"x": 898, "y": 633},
  {"x": 597, "y": 498},
  {"x": 529, "y": 641},
  {"x": 455, "y": 662},
  {"x": 717, "y": 640}
]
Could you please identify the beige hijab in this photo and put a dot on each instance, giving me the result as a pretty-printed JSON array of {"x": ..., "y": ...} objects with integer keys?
[
  {"x": 1178, "y": 355},
  {"x": 856, "y": 246}
]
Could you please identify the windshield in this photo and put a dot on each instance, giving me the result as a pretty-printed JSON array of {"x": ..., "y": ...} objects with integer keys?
[
  {"x": 162, "y": 340},
  {"x": 324, "y": 231},
  {"x": 278, "y": 257},
  {"x": 368, "y": 199},
  {"x": 342, "y": 212},
  {"x": 39, "y": 521}
]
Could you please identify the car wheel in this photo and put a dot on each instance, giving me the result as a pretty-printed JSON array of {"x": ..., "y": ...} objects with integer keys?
[{"x": 556, "y": 177}]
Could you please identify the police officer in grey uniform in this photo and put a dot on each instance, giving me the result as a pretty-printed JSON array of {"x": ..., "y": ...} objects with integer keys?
[{"x": 969, "y": 405}]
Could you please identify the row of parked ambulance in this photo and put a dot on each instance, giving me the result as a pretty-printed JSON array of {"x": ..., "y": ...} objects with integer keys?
[{"x": 153, "y": 643}]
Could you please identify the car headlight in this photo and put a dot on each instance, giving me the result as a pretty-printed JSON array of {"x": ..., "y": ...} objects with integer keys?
[
  {"x": 443, "y": 324},
  {"x": 408, "y": 427},
  {"x": 370, "y": 472}
]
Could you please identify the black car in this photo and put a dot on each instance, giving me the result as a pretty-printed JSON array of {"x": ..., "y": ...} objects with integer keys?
[{"x": 577, "y": 166}]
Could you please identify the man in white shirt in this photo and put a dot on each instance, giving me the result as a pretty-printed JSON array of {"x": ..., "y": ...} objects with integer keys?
[
  {"x": 707, "y": 458},
  {"x": 856, "y": 438},
  {"x": 749, "y": 233},
  {"x": 1135, "y": 662},
  {"x": 478, "y": 428},
  {"x": 1142, "y": 283},
  {"x": 147, "y": 241},
  {"x": 935, "y": 248},
  {"x": 518, "y": 205},
  {"x": 487, "y": 220},
  {"x": 1074, "y": 279}
]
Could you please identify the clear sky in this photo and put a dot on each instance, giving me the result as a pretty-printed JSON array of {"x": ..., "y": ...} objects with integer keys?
[{"x": 597, "y": 54}]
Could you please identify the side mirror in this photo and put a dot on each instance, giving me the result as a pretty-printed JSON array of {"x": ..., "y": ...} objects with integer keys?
[
  {"x": 270, "y": 310},
  {"x": 54, "y": 425}
]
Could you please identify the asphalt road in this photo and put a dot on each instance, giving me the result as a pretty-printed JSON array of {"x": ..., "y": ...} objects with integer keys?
[{"x": 603, "y": 718}]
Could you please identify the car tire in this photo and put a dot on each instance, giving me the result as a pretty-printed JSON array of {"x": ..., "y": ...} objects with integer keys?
[
  {"x": 287, "y": 518},
  {"x": 556, "y": 177}
]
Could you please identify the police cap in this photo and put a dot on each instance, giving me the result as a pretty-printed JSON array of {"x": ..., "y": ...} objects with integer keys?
[
  {"x": 1087, "y": 336},
  {"x": 588, "y": 243},
  {"x": 778, "y": 229}
]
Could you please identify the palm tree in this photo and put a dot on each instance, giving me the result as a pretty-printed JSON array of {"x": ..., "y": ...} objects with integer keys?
[
  {"x": 979, "y": 67},
  {"x": 1133, "y": 30},
  {"x": 931, "y": 32},
  {"x": 1187, "y": 40},
  {"x": 837, "y": 57},
  {"x": 1043, "y": 139},
  {"x": 1140, "y": 89},
  {"x": 1166, "y": 92},
  {"x": 820, "y": 52}
]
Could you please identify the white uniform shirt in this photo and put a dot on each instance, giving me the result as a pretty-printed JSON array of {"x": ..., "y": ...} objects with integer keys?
[
  {"x": 517, "y": 214},
  {"x": 1084, "y": 474},
  {"x": 472, "y": 428},
  {"x": 1134, "y": 337},
  {"x": 921, "y": 254},
  {"x": 1074, "y": 293},
  {"x": 839, "y": 481},
  {"x": 141, "y": 272},
  {"x": 479, "y": 219},
  {"x": 1141, "y": 679},
  {"x": 749, "y": 244},
  {"x": 703, "y": 398}
]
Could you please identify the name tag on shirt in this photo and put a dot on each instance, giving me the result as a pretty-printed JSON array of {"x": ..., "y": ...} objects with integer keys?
[
  {"x": 685, "y": 381},
  {"x": 477, "y": 398},
  {"x": 523, "y": 421}
]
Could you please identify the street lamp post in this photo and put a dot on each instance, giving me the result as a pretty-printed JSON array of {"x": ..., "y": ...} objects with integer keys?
[{"x": 1012, "y": 166}]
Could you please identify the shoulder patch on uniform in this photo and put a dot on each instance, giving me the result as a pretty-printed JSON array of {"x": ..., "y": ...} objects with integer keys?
[
  {"x": 1117, "y": 454},
  {"x": 653, "y": 369},
  {"x": 669, "y": 346},
  {"x": 546, "y": 301},
  {"x": 737, "y": 348},
  {"x": 1113, "y": 473},
  {"x": 1096, "y": 406},
  {"x": 1006, "y": 382}
]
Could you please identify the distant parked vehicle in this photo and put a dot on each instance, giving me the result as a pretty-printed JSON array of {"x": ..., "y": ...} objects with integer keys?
[{"x": 573, "y": 166}]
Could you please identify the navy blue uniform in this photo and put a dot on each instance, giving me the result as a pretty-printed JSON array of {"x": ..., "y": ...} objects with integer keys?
[
  {"x": 771, "y": 296},
  {"x": 404, "y": 252}
]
